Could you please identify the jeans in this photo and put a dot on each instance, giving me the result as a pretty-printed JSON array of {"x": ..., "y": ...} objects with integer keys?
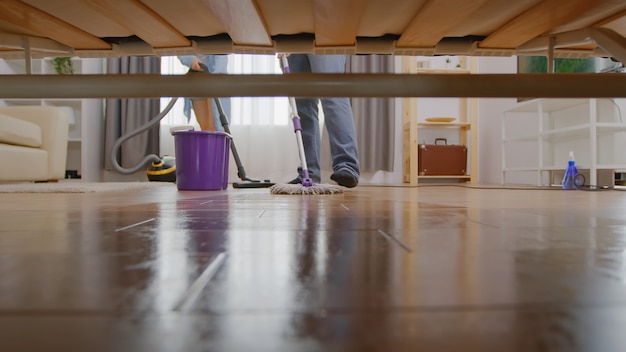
[{"x": 338, "y": 118}]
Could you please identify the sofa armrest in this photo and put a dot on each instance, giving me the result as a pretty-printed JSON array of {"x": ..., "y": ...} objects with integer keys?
[{"x": 54, "y": 123}]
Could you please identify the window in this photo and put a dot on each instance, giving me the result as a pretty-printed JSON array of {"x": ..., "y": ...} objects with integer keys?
[
  {"x": 539, "y": 64},
  {"x": 244, "y": 110}
]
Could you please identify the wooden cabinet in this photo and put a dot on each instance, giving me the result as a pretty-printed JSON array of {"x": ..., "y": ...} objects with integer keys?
[
  {"x": 85, "y": 114},
  {"x": 537, "y": 136},
  {"x": 417, "y": 130}
]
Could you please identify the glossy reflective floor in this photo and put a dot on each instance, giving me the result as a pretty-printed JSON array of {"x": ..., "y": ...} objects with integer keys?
[{"x": 434, "y": 268}]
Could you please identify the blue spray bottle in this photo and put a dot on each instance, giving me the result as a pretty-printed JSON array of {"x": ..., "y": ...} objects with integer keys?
[{"x": 569, "y": 179}]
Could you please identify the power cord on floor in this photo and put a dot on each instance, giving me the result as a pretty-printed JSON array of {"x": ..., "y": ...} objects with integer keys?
[{"x": 579, "y": 183}]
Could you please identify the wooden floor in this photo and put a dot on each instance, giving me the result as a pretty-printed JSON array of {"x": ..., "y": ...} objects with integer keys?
[{"x": 429, "y": 268}]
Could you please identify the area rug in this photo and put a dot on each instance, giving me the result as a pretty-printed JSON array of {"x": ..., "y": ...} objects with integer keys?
[{"x": 79, "y": 187}]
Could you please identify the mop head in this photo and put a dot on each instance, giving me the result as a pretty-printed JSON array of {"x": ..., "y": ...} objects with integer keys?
[{"x": 287, "y": 188}]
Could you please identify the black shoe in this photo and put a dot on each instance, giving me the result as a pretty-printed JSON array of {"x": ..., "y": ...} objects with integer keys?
[
  {"x": 345, "y": 178},
  {"x": 295, "y": 181}
]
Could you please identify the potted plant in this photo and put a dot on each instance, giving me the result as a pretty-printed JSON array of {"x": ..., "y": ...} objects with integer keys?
[{"x": 63, "y": 65}]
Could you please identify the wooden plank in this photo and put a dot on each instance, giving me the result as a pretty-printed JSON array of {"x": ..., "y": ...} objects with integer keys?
[
  {"x": 36, "y": 21},
  {"x": 409, "y": 128},
  {"x": 616, "y": 22},
  {"x": 190, "y": 17},
  {"x": 337, "y": 21},
  {"x": 435, "y": 20},
  {"x": 242, "y": 20},
  {"x": 388, "y": 17},
  {"x": 537, "y": 21},
  {"x": 473, "y": 115},
  {"x": 288, "y": 16},
  {"x": 142, "y": 21},
  {"x": 81, "y": 16},
  {"x": 563, "y": 85}
]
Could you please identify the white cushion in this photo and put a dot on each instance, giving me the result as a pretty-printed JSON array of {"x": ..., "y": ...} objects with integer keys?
[
  {"x": 19, "y": 132},
  {"x": 23, "y": 163}
]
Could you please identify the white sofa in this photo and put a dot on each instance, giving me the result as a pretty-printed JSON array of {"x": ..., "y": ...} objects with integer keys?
[{"x": 33, "y": 143}]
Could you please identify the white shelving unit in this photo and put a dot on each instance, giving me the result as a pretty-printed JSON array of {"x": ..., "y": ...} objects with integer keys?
[
  {"x": 416, "y": 130},
  {"x": 537, "y": 136},
  {"x": 87, "y": 121}
]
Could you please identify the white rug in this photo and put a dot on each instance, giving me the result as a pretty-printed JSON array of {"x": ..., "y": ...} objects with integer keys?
[{"x": 79, "y": 186}]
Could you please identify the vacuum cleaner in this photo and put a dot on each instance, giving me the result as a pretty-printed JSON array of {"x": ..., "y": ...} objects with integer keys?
[
  {"x": 158, "y": 166},
  {"x": 164, "y": 169}
]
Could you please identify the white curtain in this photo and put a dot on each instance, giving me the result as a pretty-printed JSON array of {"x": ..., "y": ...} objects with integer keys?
[{"x": 260, "y": 127}]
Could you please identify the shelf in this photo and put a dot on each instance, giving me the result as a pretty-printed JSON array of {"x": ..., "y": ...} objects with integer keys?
[
  {"x": 584, "y": 130},
  {"x": 460, "y": 131},
  {"x": 578, "y": 129},
  {"x": 445, "y": 176},
  {"x": 548, "y": 105},
  {"x": 615, "y": 167},
  {"x": 519, "y": 169},
  {"x": 526, "y": 138},
  {"x": 63, "y": 102},
  {"x": 443, "y": 71},
  {"x": 462, "y": 125},
  {"x": 21, "y": 102},
  {"x": 19, "y": 67},
  {"x": 542, "y": 168},
  {"x": 572, "y": 132}
]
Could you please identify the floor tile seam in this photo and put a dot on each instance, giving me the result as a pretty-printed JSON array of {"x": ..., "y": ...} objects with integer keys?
[{"x": 444, "y": 309}]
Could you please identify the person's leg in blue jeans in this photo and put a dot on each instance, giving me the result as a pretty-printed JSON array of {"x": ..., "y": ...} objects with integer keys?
[{"x": 338, "y": 120}]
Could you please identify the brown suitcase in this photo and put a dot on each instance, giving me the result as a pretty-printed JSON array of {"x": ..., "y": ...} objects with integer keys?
[{"x": 441, "y": 159}]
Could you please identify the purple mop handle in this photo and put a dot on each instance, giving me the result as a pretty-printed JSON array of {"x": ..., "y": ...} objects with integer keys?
[
  {"x": 297, "y": 126},
  {"x": 283, "y": 59}
]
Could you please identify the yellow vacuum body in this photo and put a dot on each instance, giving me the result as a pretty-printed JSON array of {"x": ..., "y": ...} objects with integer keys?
[{"x": 163, "y": 170}]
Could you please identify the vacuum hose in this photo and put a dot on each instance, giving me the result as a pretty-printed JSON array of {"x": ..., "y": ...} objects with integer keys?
[{"x": 148, "y": 158}]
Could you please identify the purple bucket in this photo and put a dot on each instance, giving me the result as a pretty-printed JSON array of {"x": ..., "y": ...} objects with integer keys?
[{"x": 201, "y": 160}]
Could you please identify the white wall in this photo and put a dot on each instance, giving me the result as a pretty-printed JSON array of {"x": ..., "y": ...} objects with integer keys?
[{"x": 490, "y": 121}]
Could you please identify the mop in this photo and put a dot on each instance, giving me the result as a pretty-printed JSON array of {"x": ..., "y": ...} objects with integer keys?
[{"x": 307, "y": 186}]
